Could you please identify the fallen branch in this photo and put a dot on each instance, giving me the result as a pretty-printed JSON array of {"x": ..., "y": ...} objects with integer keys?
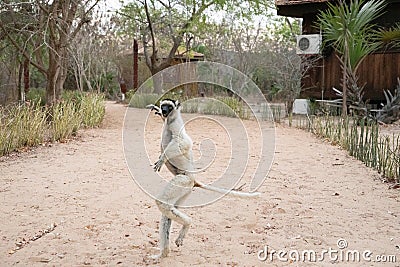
[{"x": 37, "y": 236}]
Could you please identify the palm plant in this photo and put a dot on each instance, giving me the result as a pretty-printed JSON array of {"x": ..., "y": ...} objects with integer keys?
[
  {"x": 389, "y": 37},
  {"x": 349, "y": 29}
]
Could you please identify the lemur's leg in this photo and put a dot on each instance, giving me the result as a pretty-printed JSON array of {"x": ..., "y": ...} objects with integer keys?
[
  {"x": 165, "y": 226},
  {"x": 171, "y": 213},
  {"x": 185, "y": 227},
  {"x": 176, "y": 191}
]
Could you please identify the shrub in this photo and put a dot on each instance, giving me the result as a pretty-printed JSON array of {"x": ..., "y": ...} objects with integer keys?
[
  {"x": 93, "y": 109},
  {"x": 31, "y": 124},
  {"x": 226, "y": 106},
  {"x": 37, "y": 95},
  {"x": 139, "y": 100},
  {"x": 21, "y": 125},
  {"x": 65, "y": 120}
]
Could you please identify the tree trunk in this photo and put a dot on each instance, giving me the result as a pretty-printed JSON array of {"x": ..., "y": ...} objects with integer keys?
[
  {"x": 21, "y": 95},
  {"x": 54, "y": 81},
  {"x": 344, "y": 104},
  {"x": 26, "y": 76},
  {"x": 344, "y": 82},
  {"x": 135, "y": 64},
  {"x": 157, "y": 82},
  {"x": 289, "y": 110}
]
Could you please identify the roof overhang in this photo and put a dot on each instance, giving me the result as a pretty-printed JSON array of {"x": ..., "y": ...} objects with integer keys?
[{"x": 298, "y": 8}]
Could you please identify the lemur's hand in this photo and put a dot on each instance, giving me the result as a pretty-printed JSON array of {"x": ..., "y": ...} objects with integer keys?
[
  {"x": 154, "y": 107},
  {"x": 151, "y": 106},
  {"x": 158, "y": 164}
]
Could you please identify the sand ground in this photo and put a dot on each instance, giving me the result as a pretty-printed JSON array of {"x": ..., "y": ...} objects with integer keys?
[{"x": 75, "y": 204}]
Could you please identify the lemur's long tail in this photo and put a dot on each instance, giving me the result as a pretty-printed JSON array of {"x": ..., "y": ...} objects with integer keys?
[{"x": 228, "y": 192}]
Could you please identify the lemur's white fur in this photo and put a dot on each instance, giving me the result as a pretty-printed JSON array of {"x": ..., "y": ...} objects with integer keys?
[{"x": 176, "y": 154}]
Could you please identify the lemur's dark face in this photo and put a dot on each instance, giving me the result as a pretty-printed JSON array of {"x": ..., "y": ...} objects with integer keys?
[{"x": 167, "y": 106}]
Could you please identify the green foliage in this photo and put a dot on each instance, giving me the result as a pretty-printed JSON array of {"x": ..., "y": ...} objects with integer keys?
[
  {"x": 142, "y": 100},
  {"x": 389, "y": 37},
  {"x": 90, "y": 106},
  {"x": 224, "y": 106},
  {"x": 349, "y": 28},
  {"x": 232, "y": 107},
  {"x": 284, "y": 30},
  {"x": 192, "y": 105},
  {"x": 73, "y": 96},
  {"x": 37, "y": 95}
]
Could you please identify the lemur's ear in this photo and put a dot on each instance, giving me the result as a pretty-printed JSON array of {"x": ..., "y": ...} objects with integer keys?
[{"x": 177, "y": 104}]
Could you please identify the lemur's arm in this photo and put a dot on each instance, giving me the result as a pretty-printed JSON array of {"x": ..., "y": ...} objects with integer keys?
[
  {"x": 154, "y": 107},
  {"x": 175, "y": 154}
]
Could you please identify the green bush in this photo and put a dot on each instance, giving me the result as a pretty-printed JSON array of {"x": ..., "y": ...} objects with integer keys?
[
  {"x": 37, "y": 95},
  {"x": 142, "y": 100},
  {"x": 226, "y": 106},
  {"x": 192, "y": 106}
]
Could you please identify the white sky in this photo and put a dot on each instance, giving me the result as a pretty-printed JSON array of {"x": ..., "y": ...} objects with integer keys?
[{"x": 113, "y": 5}]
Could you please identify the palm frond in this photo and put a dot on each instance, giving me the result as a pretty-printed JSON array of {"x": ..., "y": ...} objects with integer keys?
[{"x": 389, "y": 37}]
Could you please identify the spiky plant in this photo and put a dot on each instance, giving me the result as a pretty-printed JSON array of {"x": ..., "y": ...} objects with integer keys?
[
  {"x": 391, "y": 111},
  {"x": 348, "y": 28},
  {"x": 389, "y": 37}
]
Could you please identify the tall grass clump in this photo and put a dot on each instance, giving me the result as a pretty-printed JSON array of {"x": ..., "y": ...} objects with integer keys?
[
  {"x": 20, "y": 126},
  {"x": 192, "y": 106},
  {"x": 30, "y": 124},
  {"x": 91, "y": 106},
  {"x": 362, "y": 139},
  {"x": 65, "y": 120},
  {"x": 93, "y": 109},
  {"x": 236, "y": 105},
  {"x": 225, "y": 106}
]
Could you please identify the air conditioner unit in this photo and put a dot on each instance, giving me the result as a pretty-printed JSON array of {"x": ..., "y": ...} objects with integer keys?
[{"x": 308, "y": 44}]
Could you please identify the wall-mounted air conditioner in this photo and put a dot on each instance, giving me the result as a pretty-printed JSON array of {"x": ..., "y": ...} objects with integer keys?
[{"x": 308, "y": 44}]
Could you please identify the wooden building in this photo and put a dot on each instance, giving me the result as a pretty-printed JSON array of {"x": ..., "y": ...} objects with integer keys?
[{"x": 378, "y": 71}]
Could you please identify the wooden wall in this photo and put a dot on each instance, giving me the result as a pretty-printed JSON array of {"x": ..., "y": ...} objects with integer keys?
[{"x": 378, "y": 72}]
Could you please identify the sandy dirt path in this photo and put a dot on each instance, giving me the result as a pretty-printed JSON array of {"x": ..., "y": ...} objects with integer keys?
[{"x": 75, "y": 204}]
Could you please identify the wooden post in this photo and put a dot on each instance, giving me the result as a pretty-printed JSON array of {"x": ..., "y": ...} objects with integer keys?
[{"x": 135, "y": 64}]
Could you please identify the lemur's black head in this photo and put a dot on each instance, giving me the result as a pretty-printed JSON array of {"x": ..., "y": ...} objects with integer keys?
[{"x": 168, "y": 106}]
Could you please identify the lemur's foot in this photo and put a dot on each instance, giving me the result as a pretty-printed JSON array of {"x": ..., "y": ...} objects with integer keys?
[
  {"x": 179, "y": 242},
  {"x": 162, "y": 254}
]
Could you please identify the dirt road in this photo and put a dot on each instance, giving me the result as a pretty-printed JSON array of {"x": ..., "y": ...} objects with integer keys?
[{"x": 75, "y": 204}]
